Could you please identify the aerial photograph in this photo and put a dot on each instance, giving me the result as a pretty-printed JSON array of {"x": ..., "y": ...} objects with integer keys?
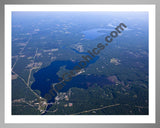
[{"x": 80, "y": 63}]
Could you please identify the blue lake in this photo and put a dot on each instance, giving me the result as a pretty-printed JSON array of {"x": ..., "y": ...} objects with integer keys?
[
  {"x": 45, "y": 77},
  {"x": 94, "y": 33}
]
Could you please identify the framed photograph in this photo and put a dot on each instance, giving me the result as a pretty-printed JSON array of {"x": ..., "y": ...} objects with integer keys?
[{"x": 80, "y": 63}]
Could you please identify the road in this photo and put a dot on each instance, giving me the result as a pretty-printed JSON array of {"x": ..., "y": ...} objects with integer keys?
[
  {"x": 96, "y": 109},
  {"x": 21, "y": 52}
]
